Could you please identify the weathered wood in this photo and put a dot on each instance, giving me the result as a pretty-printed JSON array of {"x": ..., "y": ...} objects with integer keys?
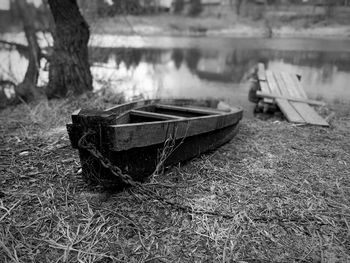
[
  {"x": 261, "y": 72},
  {"x": 298, "y": 85},
  {"x": 154, "y": 115},
  {"x": 264, "y": 87},
  {"x": 142, "y": 161},
  {"x": 309, "y": 114},
  {"x": 287, "y": 92},
  {"x": 93, "y": 117},
  {"x": 126, "y": 136},
  {"x": 281, "y": 84},
  {"x": 289, "y": 112},
  {"x": 293, "y": 91},
  {"x": 285, "y": 106},
  {"x": 201, "y": 111},
  {"x": 192, "y": 136},
  {"x": 272, "y": 83},
  {"x": 142, "y": 104},
  {"x": 131, "y": 105},
  {"x": 276, "y": 96}
]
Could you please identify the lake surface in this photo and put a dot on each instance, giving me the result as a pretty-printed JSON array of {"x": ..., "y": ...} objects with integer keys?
[{"x": 194, "y": 67}]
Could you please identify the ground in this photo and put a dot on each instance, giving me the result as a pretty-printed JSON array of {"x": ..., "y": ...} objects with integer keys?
[{"x": 276, "y": 193}]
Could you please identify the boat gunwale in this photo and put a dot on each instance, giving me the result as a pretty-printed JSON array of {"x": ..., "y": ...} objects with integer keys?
[
  {"x": 121, "y": 136},
  {"x": 141, "y": 103},
  {"x": 131, "y": 136},
  {"x": 185, "y": 119}
]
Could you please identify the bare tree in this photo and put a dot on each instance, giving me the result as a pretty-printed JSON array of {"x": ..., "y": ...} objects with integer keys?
[{"x": 69, "y": 70}]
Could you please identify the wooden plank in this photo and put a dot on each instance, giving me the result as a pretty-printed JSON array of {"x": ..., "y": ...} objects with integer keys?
[
  {"x": 127, "y": 136},
  {"x": 309, "y": 114},
  {"x": 265, "y": 88},
  {"x": 143, "y": 104},
  {"x": 290, "y": 96},
  {"x": 87, "y": 117},
  {"x": 290, "y": 85},
  {"x": 293, "y": 89},
  {"x": 305, "y": 111},
  {"x": 122, "y": 118},
  {"x": 120, "y": 109},
  {"x": 276, "y": 96},
  {"x": 298, "y": 86},
  {"x": 201, "y": 111},
  {"x": 154, "y": 115},
  {"x": 282, "y": 86},
  {"x": 289, "y": 112},
  {"x": 261, "y": 72},
  {"x": 285, "y": 106},
  {"x": 272, "y": 83}
]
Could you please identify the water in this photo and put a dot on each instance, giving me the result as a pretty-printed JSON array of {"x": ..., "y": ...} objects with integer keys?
[{"x": 149, "y": 67}]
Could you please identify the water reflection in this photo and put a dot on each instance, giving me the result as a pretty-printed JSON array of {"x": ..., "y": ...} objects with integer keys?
[
  {"x": 215, "y": 70},
  {"x": 13, "y": 64},
  {"x": 324, "y": 74},
  {"x": 210, "y": 65}
]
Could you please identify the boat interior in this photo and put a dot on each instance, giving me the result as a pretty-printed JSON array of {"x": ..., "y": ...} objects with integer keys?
[{"x": 163, "y": 112}]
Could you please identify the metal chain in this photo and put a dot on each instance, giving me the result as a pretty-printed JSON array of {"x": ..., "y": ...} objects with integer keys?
[{"x": 90, "y": 147}]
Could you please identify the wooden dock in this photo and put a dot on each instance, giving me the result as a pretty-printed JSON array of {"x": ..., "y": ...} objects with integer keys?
[{"x": 285, "y": 90}]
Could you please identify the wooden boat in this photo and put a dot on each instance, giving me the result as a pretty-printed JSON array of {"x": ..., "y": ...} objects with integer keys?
[{"x": 135, "y": 136}]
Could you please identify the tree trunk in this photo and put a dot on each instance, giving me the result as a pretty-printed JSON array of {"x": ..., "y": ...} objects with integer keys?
[
  {"x": 27, "y": 89},
  {"x": 238, "y": 7},
  {"x": 69, "y": 71}
]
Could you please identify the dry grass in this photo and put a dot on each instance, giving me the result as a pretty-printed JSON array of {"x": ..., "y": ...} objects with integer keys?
[{"x": 275, "y": 193}]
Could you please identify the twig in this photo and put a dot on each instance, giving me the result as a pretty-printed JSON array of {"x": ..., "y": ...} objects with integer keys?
[
  {"x": 8, "y": 252},
  {"x": 17, "y": 45},
  {"x": 8, "y": 210},
  {"x": 56, "y": 245}
]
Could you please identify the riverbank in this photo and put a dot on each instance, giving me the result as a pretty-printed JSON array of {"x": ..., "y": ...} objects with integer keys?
[
  {"x": 277, "y": 192},
  {"x": 177, "y": 25}
]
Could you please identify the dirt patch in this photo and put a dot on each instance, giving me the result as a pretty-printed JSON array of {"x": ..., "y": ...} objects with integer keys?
[{"x": 277, "y": 192}]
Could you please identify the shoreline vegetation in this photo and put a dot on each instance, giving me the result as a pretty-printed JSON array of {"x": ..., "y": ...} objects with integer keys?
[
  {"x": 277, "y": 192},
  {"x": 228, "y": 25},
  {"x": 177, "y": 25}
]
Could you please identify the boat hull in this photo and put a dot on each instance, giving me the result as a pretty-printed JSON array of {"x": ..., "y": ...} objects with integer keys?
[
  {"x": 137, "y": 149},
  {"x": 141, "y": 162}
]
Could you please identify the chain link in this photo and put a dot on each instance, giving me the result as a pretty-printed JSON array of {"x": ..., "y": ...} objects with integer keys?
[{"x": 90, "y": 147}]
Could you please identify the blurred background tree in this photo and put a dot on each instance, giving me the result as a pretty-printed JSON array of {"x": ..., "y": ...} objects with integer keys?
[
  {"x": 195, "y": 7},
  {"x": 179, "y": 6},
  {"x": 27, "y": 90},
  {"x": 69, "y": 71},
  {"x": 131, "y": 7}
]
